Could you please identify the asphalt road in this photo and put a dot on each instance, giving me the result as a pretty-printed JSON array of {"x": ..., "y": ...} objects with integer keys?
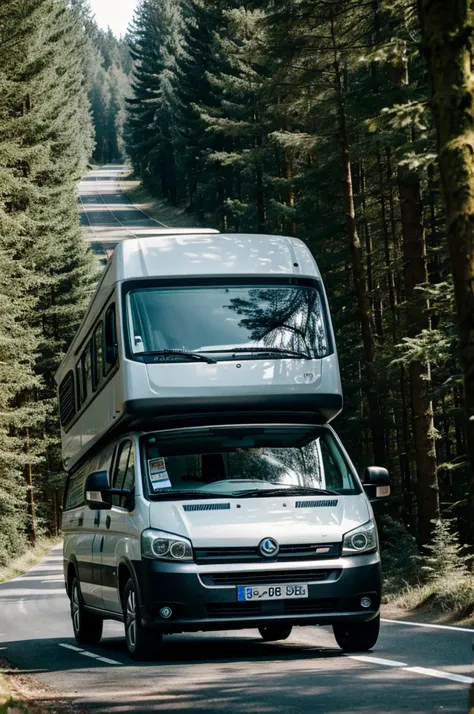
[
  {"x": 107, "y": 214},
  {"x": 412, "y": 668}
]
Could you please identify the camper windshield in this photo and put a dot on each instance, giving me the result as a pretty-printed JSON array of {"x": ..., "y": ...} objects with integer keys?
[
  {"x": 249, "y": 321},
  {"x": 245, "y": 462}
]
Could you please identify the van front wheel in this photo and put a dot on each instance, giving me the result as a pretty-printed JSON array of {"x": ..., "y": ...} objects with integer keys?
[
  {"x": 142, "y": 644},
  {"x": 272, "y": 633},
  {"x": 357, "y": 636},
  {"x": 87, "y": 627}
]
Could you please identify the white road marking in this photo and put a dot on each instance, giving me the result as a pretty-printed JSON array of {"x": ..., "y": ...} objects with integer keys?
[
  {"x": 71, "y": 647},
  {"x": 97, "y": 657},
  {"x": 440, "y": 674},
  {"x": 425, "y": 624},
  {"x": 379, "y": 660}
]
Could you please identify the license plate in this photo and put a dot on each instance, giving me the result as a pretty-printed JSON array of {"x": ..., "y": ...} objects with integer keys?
[{"x": 272, "y": 592}]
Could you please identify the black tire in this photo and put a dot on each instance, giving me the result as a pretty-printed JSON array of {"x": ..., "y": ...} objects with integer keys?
[
  {"x": 357, "y": 636},
  {"x": 272, "y": 633},
  {"x": 142, "y": 644},
  {"x": 87, "y": 627}
]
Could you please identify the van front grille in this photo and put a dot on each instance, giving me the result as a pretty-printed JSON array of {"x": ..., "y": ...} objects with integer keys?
[
  {"x": 267, "y": 576},
  {"x": 251, "y": 554},
  {"x": 305, "y": 606}
]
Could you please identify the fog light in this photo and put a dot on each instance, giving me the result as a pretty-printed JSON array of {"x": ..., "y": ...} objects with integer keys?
[
  {"x": 166, "y": 612},
  {"x": 365, "y": 602}
]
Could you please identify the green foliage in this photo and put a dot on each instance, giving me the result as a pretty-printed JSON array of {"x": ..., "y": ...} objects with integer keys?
[
  {"x": 399, "y": 555},
  {"x": 444, "y": 557},
  {"x": 45, "y": 268}
]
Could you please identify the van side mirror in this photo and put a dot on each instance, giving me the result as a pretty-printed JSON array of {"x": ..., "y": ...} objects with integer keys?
[
  {"x": 376, "y": 483},
  {"x": 97, "y": 485}
]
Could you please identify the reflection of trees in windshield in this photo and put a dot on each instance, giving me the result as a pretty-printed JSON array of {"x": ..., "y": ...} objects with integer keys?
[
  {"x": 288, "y": 318},
  {"x": 291, "y": 467}
]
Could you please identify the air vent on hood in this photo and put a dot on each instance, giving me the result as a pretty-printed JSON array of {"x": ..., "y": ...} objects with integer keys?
[
  {"x": 207, "y": 507},
  {"x": 316, "y": 504}
]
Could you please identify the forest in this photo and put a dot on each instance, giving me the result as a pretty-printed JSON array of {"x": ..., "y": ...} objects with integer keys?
[{"x": 312, "y": 118}]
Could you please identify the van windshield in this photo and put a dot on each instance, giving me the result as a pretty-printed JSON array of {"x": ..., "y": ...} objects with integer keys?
[
  {"x": 219, "y": 320},
  {"x": 245, "y": 461}
]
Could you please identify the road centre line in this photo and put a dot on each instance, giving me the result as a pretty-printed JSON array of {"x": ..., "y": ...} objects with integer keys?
[
  {"x": 441, "y": 675},
  {"x": 425, "y": 671},
  {"x": 99, "y": 658},
  {"x": 426, "y": 624},
  {"x": 379, "y": 660},
  {"x": 71, "y": 647}
]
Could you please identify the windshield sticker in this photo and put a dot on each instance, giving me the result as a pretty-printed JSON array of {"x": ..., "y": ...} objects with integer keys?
[{"x": 158, "y": 474}]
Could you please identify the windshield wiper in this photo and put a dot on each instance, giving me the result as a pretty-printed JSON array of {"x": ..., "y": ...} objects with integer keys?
[
  {"x": 296, "y": 491},
  {"x": 184, "y": 494},
  {"x": 179, "y": 353},
  {"x": 265, "y": 350}
]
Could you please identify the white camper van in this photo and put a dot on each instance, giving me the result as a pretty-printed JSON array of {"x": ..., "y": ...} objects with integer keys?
[
  {"x": 222, "y": 527},
  {"x": 187, "y": 327}
]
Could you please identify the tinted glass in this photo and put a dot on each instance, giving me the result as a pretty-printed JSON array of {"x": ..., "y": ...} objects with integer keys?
[
  {"x": 210, "y": 319},
  {"x": 110, "y": 355},
  {"x": 121, "y": 469},
  {"x": 98, "y": 355},
  {"x": 86, "y": 362},
  {"x": 237, "y": 459}
]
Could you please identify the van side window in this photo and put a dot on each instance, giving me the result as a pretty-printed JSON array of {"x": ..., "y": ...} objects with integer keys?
[
  {"x": 110, "y": 341},
  {"x": 75, "y": 489},
  {"x": 124, "y": 476},
  {"x": 98, "y": 361}
]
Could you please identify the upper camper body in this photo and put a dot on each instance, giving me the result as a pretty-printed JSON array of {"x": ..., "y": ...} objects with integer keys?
[{"x": 191, "y": 327}]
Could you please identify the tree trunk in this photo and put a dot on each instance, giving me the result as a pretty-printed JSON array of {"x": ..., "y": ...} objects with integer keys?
[
  {"x": 376, "y": 421},
  {"x": 447, "y": 38},
  {"x": 415, "y": 275}
]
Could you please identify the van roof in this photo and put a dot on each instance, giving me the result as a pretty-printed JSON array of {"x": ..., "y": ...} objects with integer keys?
[{"x": 208, "y": 254}]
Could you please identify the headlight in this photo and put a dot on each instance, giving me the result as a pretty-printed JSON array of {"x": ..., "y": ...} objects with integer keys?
[
  {"x": 165, "y": 546},
  {"x": 362, "y": 539}
]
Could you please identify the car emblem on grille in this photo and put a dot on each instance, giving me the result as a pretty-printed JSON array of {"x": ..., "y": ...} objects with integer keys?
[{"x": 269, "y": 547}]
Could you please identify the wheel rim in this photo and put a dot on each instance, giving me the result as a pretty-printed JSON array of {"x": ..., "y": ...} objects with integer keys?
[
  {"x": 76, "y": 609},
  {"x": 131, "y": 627}
]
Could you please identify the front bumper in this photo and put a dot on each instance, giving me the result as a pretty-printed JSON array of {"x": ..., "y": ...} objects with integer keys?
[{"x": 198, "y": 605}]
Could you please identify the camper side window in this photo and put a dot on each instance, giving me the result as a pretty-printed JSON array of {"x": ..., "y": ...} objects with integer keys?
[
  {"x": 81, "y": 396},
  {"x": 98, "y": 361},
  {"x": 86, "y": 361},
  {"x": 110, "y": 341}
]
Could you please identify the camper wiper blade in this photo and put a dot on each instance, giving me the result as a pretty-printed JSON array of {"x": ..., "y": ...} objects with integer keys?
[
  {"x": 178, "y": 353},
  {"x": 266, "y": 350},
  {"x": 185, "y": 494},
  {"x": 296, "y": 491}
]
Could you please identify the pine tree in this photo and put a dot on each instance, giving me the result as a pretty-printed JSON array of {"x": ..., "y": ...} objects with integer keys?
[
  {"x": 447, "y": 44},
  {"x": 47, "y": 135}
]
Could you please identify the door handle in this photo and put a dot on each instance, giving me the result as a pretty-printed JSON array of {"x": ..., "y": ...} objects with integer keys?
[
  {"x": 101, "y": 545},
  {"x": 80, "y": 520},
  {"x": 108, "y": 521},
  {"x": 97, "y": 518}
]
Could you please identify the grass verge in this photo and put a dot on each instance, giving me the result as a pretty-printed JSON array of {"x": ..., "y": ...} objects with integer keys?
[
  {"x": 23, "y": 694},
  {"x": 447, "y": 600},
  {"x": 159, "y": 209},
  {"x": 28, "y": 559}
]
